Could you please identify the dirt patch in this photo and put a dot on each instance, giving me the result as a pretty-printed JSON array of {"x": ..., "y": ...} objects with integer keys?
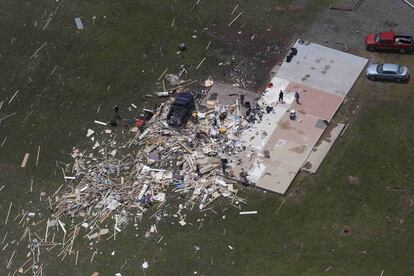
[
  {"x": 251, "y": 52},
  {"x": 298, "y": 149},
  {"x": 285, "y": 125},
  {"x": 308, "y": 165},
  {"x": 346, "y": 231},
  {"x": 407, "y": 203},
  {"x": 354, "y": 180},
  {"x": 297, "y": 5},
  {"x": 326, "y": 135}
]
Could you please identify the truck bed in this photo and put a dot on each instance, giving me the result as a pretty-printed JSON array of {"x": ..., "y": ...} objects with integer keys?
[{"x": 403, "y": 39}]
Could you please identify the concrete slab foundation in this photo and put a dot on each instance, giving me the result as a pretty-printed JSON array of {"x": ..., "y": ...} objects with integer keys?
[{"x": 277, "y": 147}]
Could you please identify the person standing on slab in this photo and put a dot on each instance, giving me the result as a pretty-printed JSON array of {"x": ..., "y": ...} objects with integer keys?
[
  {"x": 281, "y": 96},
  {"x": 297, "y": 97}
]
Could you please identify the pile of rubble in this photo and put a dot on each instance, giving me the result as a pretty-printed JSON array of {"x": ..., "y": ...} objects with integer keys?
[{"x": 156, "y": 163}]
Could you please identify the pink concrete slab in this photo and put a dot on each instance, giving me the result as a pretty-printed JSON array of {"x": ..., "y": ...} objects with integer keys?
[
  {"x": 315, "y": 102},
  {"x": 301, "y": 131}
]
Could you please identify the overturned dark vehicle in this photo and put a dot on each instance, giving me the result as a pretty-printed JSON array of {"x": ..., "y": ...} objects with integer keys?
[{"x": 180, "y": 109}]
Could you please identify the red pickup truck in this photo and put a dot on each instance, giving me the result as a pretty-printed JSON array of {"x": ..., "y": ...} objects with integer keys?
[{"x": 389, "y": 41}]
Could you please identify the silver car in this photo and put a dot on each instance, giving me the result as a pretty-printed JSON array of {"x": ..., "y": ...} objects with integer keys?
[{"x": 387, "y": 71}]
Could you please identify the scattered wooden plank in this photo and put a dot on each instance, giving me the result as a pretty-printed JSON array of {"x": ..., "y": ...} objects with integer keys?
[
  {"x": 201, "y": 62},
  {"x": 61, "y": 226},
  {"x": 8, "y": 116},
  {"x": 76, "y": 259},
  {"x": 196, "y": 5},
  {"x": 280, "y": 206},
  {"x": 163, "y": 73},
  {"x": 409, "y": 3},
  {"x": 25, "y": 159},
  {"x": 8, "y": 213},
  {"x": 100, "y": 123},
  {"x": 234, "y": 20},
  {"x": 14, "y": 95},
  {"x": 185, "y": 147},
  {"x": 235, "y": 8},
  {"x": 37, "y": 157},
  {"x": 4, "y": 141},
  {"x": 53, "y": 71},
  {"x": 93, "y": 255},
  {"x": 248, "y": 213},
  {"x": 38, "y": 50},
  {"x": 11, "y": 260}
]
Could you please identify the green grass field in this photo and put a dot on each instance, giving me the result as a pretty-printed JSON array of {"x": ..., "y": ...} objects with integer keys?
[{"x": 364, "y": 185}]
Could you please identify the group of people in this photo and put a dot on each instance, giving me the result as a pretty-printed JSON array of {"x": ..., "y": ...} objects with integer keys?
[{"x": 281, "y": 95}]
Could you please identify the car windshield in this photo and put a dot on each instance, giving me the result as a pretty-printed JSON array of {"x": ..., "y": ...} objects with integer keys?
[
  {"x": 400, "y": 69},
  {"x": 380, "y": 68}
]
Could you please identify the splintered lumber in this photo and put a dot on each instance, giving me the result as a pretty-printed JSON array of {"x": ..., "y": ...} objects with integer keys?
[
  {"x": 24, "y": 162},
  {"x": 185, "y": 147},
  {"x": 107, "y": 184}
]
